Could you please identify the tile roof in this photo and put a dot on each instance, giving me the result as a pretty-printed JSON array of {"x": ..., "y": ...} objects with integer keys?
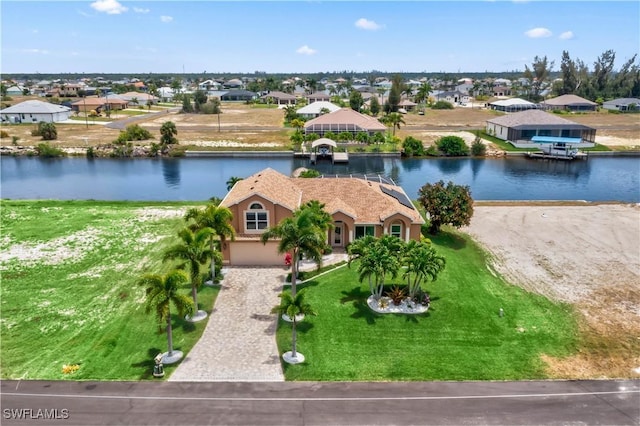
[
  {"x": 363, "y": 200},
  {"x": 347, "y": 116},
  {"x": 278, "y": 95},
  {"x": 568, "y": 100},
  {"x": 532, "y": 117}
]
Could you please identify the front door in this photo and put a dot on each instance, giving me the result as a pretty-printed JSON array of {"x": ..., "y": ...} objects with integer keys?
[{"x": 337, "y": 235}]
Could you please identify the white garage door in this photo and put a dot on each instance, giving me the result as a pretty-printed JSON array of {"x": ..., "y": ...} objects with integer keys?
[{"x": 250, "y": 253}]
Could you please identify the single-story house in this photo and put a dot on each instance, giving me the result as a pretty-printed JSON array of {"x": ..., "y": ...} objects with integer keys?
[
  {"x": 166, "y": 93},
  {"x": 344, "y": 120},
  {"x": 512, "y": 105},
  {"x": 453, "y": 97},
  {"x": 15, "y": 90},
  {"x": 358, "y": 207},
  {"x": 238, "y": 95},
  {"x": 622, "y": 104},
  {"x": 279, "y": 98},
  {"x": 407, "y": 105},
  {"x": 234, "y": 83},
  {"x": 142, "y": 98},
  {"x": 521, "y": 127},
  {"x": 35, "y": 112},
  {"x": 318, "y": 97},
  {"x": 316, "y": 109},
  {"x": 99, "y": 104},
  {"x": 570, "y": 103}
]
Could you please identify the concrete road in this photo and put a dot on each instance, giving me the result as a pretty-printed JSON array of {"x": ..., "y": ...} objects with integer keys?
[{"x": 614, "y": 402}]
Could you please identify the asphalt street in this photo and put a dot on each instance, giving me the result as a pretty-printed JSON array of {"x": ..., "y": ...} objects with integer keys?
[{"x": 611, "y": 402}]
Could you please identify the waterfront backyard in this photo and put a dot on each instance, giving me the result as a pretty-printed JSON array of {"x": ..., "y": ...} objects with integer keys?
[{"x": 68, "y": 297}]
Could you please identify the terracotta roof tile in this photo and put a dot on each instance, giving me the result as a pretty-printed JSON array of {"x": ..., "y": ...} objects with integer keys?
[{"x": 269, "y": 184}]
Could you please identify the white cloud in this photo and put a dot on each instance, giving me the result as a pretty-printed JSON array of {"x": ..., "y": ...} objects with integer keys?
[
  {"x": 166, "y": 19},
  {"x": 141, "y": 10},
  {"x": 110, "y": 7},
  {"x": 567, "y": 35},
  {"x": 40, "y": 51},
  {"x": 306, "y": 50},
  {"x": 365, "y": 24},
  {"x": 539, "y": 32}
]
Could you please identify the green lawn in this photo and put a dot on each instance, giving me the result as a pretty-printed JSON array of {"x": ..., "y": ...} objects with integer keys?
[
  {"x": 461, "y": 337},
  {"x": 70, "y": 296}
]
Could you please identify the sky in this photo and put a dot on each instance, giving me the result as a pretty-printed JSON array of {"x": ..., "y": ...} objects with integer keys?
[{"x": 112, "y": 36}]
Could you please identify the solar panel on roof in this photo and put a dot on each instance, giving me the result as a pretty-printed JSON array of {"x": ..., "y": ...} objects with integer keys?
[{"x": 401, "y": 197}]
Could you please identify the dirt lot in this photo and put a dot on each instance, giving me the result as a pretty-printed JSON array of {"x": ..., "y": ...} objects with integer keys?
[{"x": 586, "y": 255}]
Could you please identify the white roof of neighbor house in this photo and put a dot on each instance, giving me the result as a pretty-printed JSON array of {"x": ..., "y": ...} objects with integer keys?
[
  {"x": 569, "y": 100},
  {"x": 623, "y": 101},
  {"x": 347, "y": 116},
  {"x": 316, "y": 107},
  {"x": 512, "y": 101},
  {"x": 35, "y": 107}
]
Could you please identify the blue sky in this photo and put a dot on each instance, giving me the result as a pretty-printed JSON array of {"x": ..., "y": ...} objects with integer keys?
[{"x": 111, "y": 36}]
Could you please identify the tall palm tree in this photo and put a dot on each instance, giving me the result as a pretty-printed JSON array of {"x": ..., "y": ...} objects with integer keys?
[
  {"x": 194, "y": 252},
  {"x": 298, "y": 235},
  {"x": 218, "y": 219},
  {"x": 423, "y": 93},
  {"x": 393, "y": 120},
  {"x": 161, "y": 293},
  {"x": 232, "y": 181},
  {"x": 292, "y": 306},
  {"x": 422, "y": 264}
]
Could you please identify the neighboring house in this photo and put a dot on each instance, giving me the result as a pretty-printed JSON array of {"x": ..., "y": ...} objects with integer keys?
[
  {"x": 521, "y": 127},
  {"x": 70, "y": 89},
  {"x": 14, "y": 90},
  {"x": 142, "y": 98},
  {"x": 622, "y": 104},
  {"x": 209, "y": 85},
  {"x": 407, "y": 105},
  {"x": 99, "y": 104},
  {"x": 35, "y": 112},
  {"x": 501, "y": 91},
  {"x": 166, "y": 94},
  {"x": 344, "y": 120},
  {"x": 238, "y": 95},
  {"x": 234, "y": 83},
  {"x": 358, "y": 207},
  {"x": 279, "y": 98},
  {"x": 454, "y": 97},
  {"x": 512, "y": 105},
  {"x": 314, "y": 110},
  {"x": 569, "y": 103},
  {"x": 318, "y": 97}
]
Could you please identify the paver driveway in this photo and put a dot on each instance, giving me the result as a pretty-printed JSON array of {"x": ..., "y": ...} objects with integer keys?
[{"x": 239, "y": 341}]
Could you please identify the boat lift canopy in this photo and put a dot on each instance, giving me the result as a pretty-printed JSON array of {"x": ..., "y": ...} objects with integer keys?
[{"x": 556, "y": 139}]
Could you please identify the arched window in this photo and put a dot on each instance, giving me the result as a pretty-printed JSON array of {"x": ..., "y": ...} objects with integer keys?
[{"x": 256, "y": 219}]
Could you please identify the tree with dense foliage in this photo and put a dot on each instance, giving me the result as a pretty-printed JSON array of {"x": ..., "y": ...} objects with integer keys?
[
  {"x": 423, "y": 93},
  {"x": 478, "y": 148},
  {"x": 290, "y": 113},
  {"x": 293, "y": 305},
  {"x": 217, "y": 218},
  {"x": 569, "y": 75},
  {"x": 356, "y": 101},
  {"x": 310, "y": 173},
  {"x": 47, "y": 131},
  {"x": 442, "y": 105},
  {"x": 194, "y": 253},
  {"x": 395, "y": 94},
  {"x": 374, "y": 106},
  {"x": 187, "y": 107},
  {"x": 447, "y": 205},
  {"x": 199, "y": 99},
  {"x": 168, "y": 132},
  {"x": 422, "y": 264},
  {"x": 162, "y": 292},
  {"x": 412, "y": 146},
  {"x": 537, "y": 77},
  {"x": 452, "y": 146},
  {"x": 298, "y": 234}
]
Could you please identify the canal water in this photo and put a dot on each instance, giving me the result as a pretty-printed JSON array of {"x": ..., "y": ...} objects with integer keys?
[{"x": 514, "y": 178}]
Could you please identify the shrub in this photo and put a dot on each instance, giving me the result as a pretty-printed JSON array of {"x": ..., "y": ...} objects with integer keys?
[
  {"x": 48, "y": 131},
  {"x": 452, "y": 145},
  {"x": 14, "y": 140},
  {"x": 397, "y": 295},
  {"x": 331, "y": 135},
  {"x": 362, "y": 137},
  {"x": 91, "y": 152},
  {"x": 412, "y": 146},
  {"x": 345, "y": 136},
  {"x": 134, "y": 133},
  {"x": 48, "y": 151},
  {"x": 442, "y": 105},
  {"x": 310, "y": 173},
  {"x": 4, "y": 134},
  {"x": 377, "y": 138},
  {"x": 311, "y": 137},
  {"x": 432, "y": 151},
  {"x": 478, "y": 149}
]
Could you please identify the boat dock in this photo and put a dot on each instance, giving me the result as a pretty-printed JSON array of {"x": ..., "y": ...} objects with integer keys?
[
  {"x": 336, "y": 157},
  {"x": 545, "y": 156}
]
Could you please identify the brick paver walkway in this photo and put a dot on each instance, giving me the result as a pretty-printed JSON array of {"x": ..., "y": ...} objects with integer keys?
[{"x": 239, "y": 342}]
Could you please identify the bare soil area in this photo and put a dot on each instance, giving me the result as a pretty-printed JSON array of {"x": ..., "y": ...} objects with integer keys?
[{"x": 586, "y": 255}]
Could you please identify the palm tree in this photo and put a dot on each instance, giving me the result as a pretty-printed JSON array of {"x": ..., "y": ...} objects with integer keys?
[
  {"x": 161, "y": 292},
  {"x": 232, "y": 181},
  {"x": 422, "y": 263},
  {"x": 216, "y": 218},
  {"x": 393, "y": 120},
  {"x": 299, "y": 234},
  {"x": 423, "y": 93},
  {"x": 194, "y": 252},
  {"x": 378, "y": 258},
  {"x": 293, "y": 306}
]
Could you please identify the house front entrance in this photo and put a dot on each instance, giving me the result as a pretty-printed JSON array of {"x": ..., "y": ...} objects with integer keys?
[{"x": 337, "y": 239}]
